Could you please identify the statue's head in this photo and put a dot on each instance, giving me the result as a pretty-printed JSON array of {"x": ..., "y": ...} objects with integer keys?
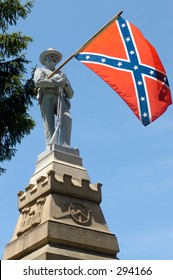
[{"x": 50, "y": 57}]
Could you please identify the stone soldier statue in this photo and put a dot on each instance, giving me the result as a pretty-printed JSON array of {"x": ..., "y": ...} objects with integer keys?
[{"x": 53, "y": 98}]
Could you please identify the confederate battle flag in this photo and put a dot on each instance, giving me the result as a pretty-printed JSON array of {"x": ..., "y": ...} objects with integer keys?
[{"x": 125, "y": 60}]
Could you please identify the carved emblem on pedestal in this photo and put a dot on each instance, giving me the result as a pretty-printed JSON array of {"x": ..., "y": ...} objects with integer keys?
[
  {"x": 30, "y": 217},
  {"x": 78, "y": 212}
]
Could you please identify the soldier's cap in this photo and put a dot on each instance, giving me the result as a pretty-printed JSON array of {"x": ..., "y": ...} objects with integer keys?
[{"x": 49, "y": 51}]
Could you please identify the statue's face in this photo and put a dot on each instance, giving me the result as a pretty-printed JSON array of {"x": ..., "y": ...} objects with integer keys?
[{"x": 51, "y": 61}]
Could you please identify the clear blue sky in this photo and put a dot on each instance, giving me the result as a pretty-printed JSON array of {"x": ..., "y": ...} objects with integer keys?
[{"x": 134, "y": 163}]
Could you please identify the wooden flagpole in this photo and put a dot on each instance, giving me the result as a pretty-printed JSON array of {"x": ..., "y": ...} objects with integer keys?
[{"x": 82, "y": 47}]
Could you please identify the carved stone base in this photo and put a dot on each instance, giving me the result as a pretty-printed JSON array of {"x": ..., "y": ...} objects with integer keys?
[{"x": 60, "y": 214}]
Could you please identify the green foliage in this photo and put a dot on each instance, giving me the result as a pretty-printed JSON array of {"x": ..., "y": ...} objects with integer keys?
[
  {"x": 11, "y": 11},
  {"x": 16, "y": 93}
]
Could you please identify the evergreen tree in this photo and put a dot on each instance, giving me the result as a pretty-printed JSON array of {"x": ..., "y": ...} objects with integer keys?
[{"x": 16, "y": 92}]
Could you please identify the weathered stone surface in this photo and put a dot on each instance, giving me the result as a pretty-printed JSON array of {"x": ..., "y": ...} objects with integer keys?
[{"x": 63, "y": 236}]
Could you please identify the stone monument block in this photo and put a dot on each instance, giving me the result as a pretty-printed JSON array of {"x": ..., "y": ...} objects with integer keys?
[{"x": 60, "y": 214}]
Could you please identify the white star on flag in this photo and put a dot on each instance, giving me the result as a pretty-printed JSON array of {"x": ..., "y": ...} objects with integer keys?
[
  {"x": 139, "y": 83},
  {"x": 119, "y": 64},
  {"x": 142, "y": 98},
  {"x": 145, "y": 115},
  {"x": 103, "y": 60},
  {"x": 152, "y": 72}
]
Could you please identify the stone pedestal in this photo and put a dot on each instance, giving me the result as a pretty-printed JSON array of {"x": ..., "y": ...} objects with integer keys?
[{"x": 60, "y": 215}]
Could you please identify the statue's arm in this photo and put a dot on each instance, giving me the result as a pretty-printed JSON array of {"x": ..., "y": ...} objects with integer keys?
[
  {"x": 68, "y": 89},
  {"x": 59, "y": 79},
  {"x": 62, "y": 78},
  {"x": 41, "y": 80},
  {"x": 39, "y": 75}
]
